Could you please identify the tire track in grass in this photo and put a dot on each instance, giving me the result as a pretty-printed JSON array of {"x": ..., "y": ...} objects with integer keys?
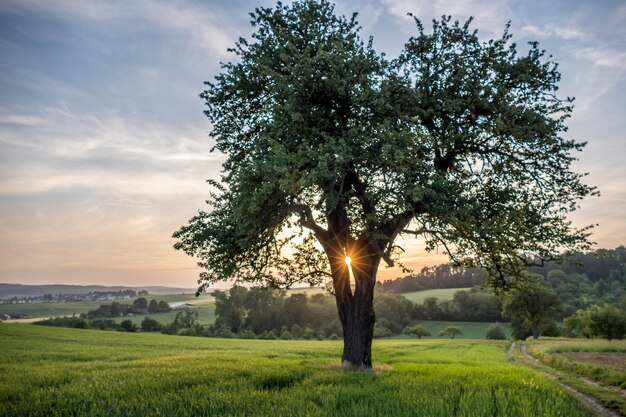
[{"x": 589, "y": 401}]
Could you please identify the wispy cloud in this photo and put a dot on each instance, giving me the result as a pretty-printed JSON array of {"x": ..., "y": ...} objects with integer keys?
[
  {"x": 203, "y": 26},
  {"x": 490, "y": 16},
  {"x": 602, "y": 57},
  {"x": 566, "y": 33}
]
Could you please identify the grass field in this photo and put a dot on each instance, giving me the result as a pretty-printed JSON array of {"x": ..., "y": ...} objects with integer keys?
[
  {"x": 68, "y": 372},
  {"x": 442, "y": 294},
  {"x": 471, "y": 330}
]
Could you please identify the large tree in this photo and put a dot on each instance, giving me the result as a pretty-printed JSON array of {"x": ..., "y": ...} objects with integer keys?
[{"x": 334, "y": 151}]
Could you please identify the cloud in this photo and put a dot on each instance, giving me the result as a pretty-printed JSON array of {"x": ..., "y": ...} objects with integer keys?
[
  {"x": 8, "y": 118},
  {"x": 602, "y": 56},
  {"x": 490, "y": 17},
  {"x": 203, "y": 26},
  {"x": 65, "y": 150},
  {"x": 565, "y": 33}
]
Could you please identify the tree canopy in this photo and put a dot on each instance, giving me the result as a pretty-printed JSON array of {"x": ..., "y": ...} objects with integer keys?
[
  {"x": 458, "y": 138},
  {"x": 336, "y": 150}
]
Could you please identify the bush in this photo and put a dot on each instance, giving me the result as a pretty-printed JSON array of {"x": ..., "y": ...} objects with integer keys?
[
  {"x": 334, "y": 337},
  {"x": 308, "y": 333},
  {"x": 393, "y": 326},
  {"x": 128, "y": 326},
  {"x": 225, "y": 333},
  {"x": 286, "y": 335},
  {"x": 150, "y": 325},
  {"x": 81, "y": 324},
  {"x": 271, "y": 335},
  {"x": 380, "y": 331},
  {"x": 495, "y": 332},
  {"x": 296, "y": 331},
  {"x": 171, "y": 328},
  {"x": 247, "y": 334}
]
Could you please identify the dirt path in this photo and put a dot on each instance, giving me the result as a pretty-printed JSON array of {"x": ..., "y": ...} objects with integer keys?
[{"x": 599, "y": 409}]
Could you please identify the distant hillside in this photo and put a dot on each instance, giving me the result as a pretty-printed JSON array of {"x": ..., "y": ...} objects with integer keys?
[{"x": 19, "y": 290}]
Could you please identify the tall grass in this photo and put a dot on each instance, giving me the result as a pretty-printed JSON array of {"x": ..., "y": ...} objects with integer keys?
[{"x": 67, "y": 372}]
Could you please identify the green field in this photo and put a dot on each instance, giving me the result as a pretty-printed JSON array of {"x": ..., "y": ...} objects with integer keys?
[
  {"x": 442, "y": 294},
  {"x": 471, "y": 330},
  {"x": 68, "y": 372}
]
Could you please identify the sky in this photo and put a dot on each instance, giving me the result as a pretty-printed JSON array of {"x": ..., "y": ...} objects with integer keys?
[{"x": 104, "y": 149}]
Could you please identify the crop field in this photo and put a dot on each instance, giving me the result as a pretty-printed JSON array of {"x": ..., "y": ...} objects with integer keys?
[
  {"x": 442, "y": 294},
  {"x": 593, "y": 367},
  {"x": 70, "y": 372}
]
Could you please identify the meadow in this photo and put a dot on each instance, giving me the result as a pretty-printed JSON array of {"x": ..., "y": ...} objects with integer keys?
[
  {"x": 70, "y": 372},
  {"x": 471, "y": 330},
  {"x": 441, "y": 294}
]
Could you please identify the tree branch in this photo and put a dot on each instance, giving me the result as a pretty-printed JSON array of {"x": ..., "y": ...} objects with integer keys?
[{"x": 308, "y": 220}]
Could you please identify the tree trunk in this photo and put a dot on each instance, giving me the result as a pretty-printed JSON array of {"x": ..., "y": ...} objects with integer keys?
[
  {"x": 356, "y": 310},
  {"x": 535, "y": 328}
]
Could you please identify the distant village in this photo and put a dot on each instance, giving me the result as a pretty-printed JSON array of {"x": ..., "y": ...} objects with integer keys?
[{"x": 67, "y": 298}]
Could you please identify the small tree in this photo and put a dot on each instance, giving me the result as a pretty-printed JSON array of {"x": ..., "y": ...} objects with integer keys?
[
  {"x": 128, "y": 326},
  {"x": 140, "y": 303},
  {"x": 418, "y": 331},
  {"x": 532, "y": 304},
  {"x": 150, "y": 325},
  {"x": 495, "y": 332},
  {"x": 451, "y": 332},
  {"x": 186, "y": 319},
  {"x": 164, "y": 306},
  {"x": 153, "y": 307}
]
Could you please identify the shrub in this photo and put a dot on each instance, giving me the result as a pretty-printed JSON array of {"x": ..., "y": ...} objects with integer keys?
[
  {"x": 171, "y": 328},
  {"x": 334, "y": 337},
  {"x": 308, "y": 333},
  {"x": 286, "y": 335},
  {"x": 128, "y": 326},
  {"x": 380, "y": 331},
  {"x": 247, "y": 334},
  {"x": 150, "y": 325},
  {"x": 495, "y": 332},
  {"x": 296, "y": 331}
]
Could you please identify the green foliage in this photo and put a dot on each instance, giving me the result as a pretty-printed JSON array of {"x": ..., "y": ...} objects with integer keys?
[
  {"x": 495, "y": 332},
  {"x": 417, "y": 330},
  {"x": 530, "y": 307},
  {"x": 451, "y": 332},
  {"x": 326, "y": 137},
  {"x": 607, "y": 322},
  {"x": 150, "y": 325},
  {"x": 153, "y": 375},
  {"x": 140, "y": 303},
  {"x": 170, "y": 328},
  {"x": 128, "y": 326},
  {"x": 186, "y": 319}
]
